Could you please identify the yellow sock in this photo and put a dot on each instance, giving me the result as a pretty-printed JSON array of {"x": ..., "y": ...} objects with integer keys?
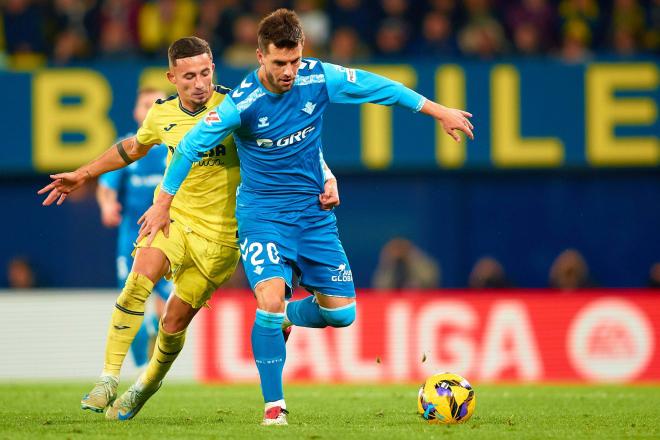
[
  {"x": 168, "y": 346},
  {"x": 126, "y": 320}
]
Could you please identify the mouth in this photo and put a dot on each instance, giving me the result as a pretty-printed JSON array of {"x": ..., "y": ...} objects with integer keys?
[
  {"x": 199, "y": 95},
  {"x": 286, "y": 82}
]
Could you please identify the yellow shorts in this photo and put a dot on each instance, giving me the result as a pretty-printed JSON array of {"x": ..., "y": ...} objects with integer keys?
[{"x": 197, "y": 266}]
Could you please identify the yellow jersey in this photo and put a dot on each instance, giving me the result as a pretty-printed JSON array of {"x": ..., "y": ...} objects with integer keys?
[{"x": 206, "y": 202}]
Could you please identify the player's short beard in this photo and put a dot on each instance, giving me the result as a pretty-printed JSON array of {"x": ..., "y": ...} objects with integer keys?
[{"x": 273, "y": 81}]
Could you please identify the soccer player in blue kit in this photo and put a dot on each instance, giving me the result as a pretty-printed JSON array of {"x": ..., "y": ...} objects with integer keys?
[
  {"x": 123, "y": 195},
  {"x": 276, "y": 117}
]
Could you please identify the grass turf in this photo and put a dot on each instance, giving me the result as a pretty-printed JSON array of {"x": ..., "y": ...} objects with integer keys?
[{"x": 186, "y": 410}]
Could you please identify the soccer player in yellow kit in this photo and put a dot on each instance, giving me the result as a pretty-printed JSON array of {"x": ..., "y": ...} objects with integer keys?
[{"x": 198, "y": 250}]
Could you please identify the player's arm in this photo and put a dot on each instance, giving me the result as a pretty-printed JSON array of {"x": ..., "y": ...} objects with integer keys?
[
  {"x": 106, "y": 196},
  {"x": 330, "y": 197},
  {"x": 208, "y": 133},
  {"x": 119, "y": 155},
  {"x": 355, "y": 86}
]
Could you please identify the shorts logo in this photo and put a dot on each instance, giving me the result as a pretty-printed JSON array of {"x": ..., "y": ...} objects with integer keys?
[{"x": 341, "y": 274}]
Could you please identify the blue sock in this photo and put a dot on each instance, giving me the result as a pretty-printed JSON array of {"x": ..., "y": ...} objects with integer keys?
[
  {"x": 140, "y": 345},
  {"x": 305, "y": 313},
  {"x": 269, "y": 353}
]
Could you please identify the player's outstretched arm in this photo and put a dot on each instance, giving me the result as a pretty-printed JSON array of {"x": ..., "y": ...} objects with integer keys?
[
  {"x": 119, "y": 155},
  {"x": 355, "y": 86},
  {"x": 209, "y": 132}
]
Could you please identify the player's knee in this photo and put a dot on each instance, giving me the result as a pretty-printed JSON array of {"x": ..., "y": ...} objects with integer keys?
[
  {"x": 269, "y": 297},
  {"x": 339, "y": 317},
  {"x": 135, "y": 292}
]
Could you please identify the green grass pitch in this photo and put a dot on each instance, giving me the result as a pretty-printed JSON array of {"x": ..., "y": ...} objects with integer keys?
[{"x": 188, "y": 410}]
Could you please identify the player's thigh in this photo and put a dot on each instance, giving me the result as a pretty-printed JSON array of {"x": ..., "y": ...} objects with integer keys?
[
  {"x": 163, "y": 256},
  {"x": 266, "y": 253},
  {"x": 207, "y": 266},
  {"x": 323, "y": 262}
]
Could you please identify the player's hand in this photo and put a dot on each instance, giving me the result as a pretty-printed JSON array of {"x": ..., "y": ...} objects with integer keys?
[
  {"x": 330, "y": 197},
  {"x": 157, "y": 218},
  {"x": 62, "y": 185},
  {"x": 111, "y": 214},
  {"x": 453, "y": 119}
]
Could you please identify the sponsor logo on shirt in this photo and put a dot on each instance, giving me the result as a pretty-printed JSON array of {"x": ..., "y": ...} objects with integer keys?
[{"x": 263, "y": 122}]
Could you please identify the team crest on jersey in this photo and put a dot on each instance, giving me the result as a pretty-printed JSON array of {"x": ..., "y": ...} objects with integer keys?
[
  {"x": 263, "y": 122},
  {"x": 211, "y": 118},
  {"x": 309, "y": 107}
]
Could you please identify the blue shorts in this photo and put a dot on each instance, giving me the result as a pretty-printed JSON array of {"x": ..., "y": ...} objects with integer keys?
[
  {"x": 125, "y": 246},
  {"x": 275, "y": 245}
]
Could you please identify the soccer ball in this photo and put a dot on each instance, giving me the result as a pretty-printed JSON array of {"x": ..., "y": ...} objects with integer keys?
[{"x": 446, "y": 398}]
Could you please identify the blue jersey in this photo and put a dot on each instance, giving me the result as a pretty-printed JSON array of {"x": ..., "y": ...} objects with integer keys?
[
  {"x": 279, "y": 135},
  {"x": 135, "y": 184}
]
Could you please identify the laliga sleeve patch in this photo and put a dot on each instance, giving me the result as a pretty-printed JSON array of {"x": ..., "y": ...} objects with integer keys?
[
  {"x": 351, "y": 75},
  {"x": 211, "y": 118}
]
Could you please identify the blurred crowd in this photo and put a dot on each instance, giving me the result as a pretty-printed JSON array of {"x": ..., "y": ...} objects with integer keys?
[
  {"x": 404, "y": 266},
  {"x": 35, "y": 32}
]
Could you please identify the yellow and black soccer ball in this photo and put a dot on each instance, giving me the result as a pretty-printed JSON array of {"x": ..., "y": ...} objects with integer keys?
[{"x": 446, "y": 398}]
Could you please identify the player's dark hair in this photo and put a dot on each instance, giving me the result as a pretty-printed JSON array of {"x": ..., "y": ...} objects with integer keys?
[
  {"x": 282, "y": 28},
  {"x": 187, "y": 47}
]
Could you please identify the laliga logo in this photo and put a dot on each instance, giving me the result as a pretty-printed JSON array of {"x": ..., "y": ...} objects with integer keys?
[
  {"x": 211, "y": 118},
  {"x": 610, "y": 340}
]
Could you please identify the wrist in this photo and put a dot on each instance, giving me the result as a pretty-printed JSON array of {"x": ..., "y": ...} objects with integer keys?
[
  {"x": 84, "y": 173},
  {"x": 164, "y": 200}
]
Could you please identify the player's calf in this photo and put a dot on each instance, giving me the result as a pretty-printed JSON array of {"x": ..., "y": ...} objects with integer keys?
[{"x": 340, "y": 316}]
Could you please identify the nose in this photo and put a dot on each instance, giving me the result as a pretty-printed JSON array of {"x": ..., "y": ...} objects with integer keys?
[{"x": 199, "y": 84}]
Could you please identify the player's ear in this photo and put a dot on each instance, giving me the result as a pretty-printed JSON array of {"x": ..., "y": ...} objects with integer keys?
[
  {"x": 170, "y": 76},
  {"x": 260, "y": 57}
]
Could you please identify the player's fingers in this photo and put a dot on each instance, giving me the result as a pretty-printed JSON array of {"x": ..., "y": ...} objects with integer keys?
[
  {"x": 52, "y": 196},
  {"x": 140, "y": 237},
  {"x": 468, "y": 132},
  {"x": 46, "y": 188},
  {"x": 469, "y": 124},
  {"x": 466, "y": 114},
  {"x": 151, "y": 235},
  {"x": 453, "y": 134},
  {"x": 166, "y": 230},
  {"x": 141, "y": 220},
  {"x": 61, "y": 199}
]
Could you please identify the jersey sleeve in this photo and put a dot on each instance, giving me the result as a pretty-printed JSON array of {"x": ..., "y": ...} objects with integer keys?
[
  {"x": 209, "y": 132},
  {"x": 112, "y": 179},
  {"x": 355, "y": 86},
  {"x": 147, "y": 133}
]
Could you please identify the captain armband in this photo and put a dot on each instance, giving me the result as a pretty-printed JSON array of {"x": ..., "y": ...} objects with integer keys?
[{"x": 122, "y": 153}]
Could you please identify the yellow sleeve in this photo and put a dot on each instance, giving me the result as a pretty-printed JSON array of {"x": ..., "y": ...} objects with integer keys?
[{"x": 147, "y": 134}]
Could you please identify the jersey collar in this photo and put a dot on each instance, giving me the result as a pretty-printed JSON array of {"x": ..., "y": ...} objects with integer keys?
[{"x": 188, "y": 112}]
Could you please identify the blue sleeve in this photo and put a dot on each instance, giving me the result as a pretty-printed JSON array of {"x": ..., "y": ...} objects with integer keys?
[
  {"x": 209, "y": 132},
  {"x": 355, "y": 86},
  {"x": 112, "y": 179}
]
